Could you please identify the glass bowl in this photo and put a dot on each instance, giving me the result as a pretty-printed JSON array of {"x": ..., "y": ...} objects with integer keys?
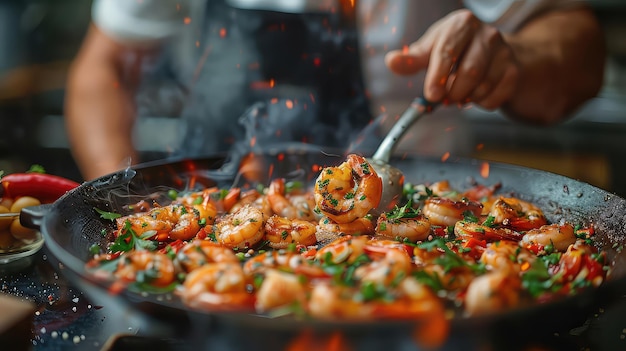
[{"x": 20, "y": 248}]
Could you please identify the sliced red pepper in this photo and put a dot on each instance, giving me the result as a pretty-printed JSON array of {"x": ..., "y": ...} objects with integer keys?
[{"x": 45, "y": 187}]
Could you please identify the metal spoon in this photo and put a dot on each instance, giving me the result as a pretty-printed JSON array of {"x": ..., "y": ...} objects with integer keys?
[{"x": 392, "y": 177}]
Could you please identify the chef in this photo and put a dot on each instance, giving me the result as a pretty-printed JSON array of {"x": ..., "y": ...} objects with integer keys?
[{"x": 241, "y": 72}]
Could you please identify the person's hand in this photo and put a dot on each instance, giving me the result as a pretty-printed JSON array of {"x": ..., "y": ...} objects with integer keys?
[{"x": 466, "y": 61}]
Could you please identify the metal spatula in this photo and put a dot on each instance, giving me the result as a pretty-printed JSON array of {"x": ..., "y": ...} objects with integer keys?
[{"x": 393, "y": 179}]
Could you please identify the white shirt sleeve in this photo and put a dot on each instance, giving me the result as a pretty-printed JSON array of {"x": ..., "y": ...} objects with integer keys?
[
  {"x": 509, "y": 15},
  {"x": 141, "y": 22}
]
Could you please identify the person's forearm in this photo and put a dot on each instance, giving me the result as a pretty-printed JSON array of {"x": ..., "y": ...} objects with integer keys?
[
  {"x": 562, "y": 57},
  {"x": 99, "y": 114}
]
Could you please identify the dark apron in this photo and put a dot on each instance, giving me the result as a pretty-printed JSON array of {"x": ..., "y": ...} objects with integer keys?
[{"x": 265, "y": 78}]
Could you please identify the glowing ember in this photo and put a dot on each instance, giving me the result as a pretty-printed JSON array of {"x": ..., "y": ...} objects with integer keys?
[
  {"x": 479, "y": 147},
  {"x": 445, "y": 157},
  {"x": 484, "y": 170},
  {"x": 289, "y": 104},
  {"x": 187, "y": 20},
  {"x": 223, "y": 32}
]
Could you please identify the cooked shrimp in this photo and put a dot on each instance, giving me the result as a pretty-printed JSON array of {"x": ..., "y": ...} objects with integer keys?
[
  {"x": 345, "y": 249},
  {"x": 241, "y": 229},
  {"x": 285, "y": 206},
  {"x": 145, "y": 224},
  {"x": 281, "y": 232},
  {"x": 187, "y": 225},
  {"x": 451, "y": 278},
  {"x": 331, "y": 301},
  {"x": 360, "y": 226},
  {"x": 349, "y": 191},
  {"x": 506, "y": 256},
  {"x": 517, "y": 214},
  {"x": 466, "y": 230},
  {"x": 409, "y": 300},
  {"x": 413, "y": 300},
  {"x": 395, "y": 265},
  {"x": 492, "y": 292},
  {"x": 285, "y": 260},
  {"x": 245, "y": 198},
  {"x": 200, "y": 252},
  {"x": 144, "y": 266},
  {"x": 172, "y": 222},
  {"x": 446, "y": 212},
  {"x": 413, "y": 227},
  {"x": 279, "y": 289},
  {"x": 560, "y": 236},
  {"x": 305, "y": 205},
  {"x": 438, "y": 189},
  {"x": 217, "y": 286}
]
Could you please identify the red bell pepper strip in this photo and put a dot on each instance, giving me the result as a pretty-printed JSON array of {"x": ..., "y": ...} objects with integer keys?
[{"x": 45, "y": 187}]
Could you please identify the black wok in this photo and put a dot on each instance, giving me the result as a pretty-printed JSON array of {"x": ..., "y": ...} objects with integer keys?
[{"x": 71, "y": 225}]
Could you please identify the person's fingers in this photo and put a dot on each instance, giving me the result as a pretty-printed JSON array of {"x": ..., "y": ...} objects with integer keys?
[
  {"x": 494, "y": 74},
  {"x": 412, "y": 59},
  {"x": 476, "y": 63},
  {"x": 405, "y": 63},
  {"x": 503, "y": 89},
  {"x": 451, "y": 42}
]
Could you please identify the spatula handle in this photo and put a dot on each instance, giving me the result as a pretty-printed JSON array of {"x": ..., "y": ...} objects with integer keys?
[{"x": 419, "y": 107}]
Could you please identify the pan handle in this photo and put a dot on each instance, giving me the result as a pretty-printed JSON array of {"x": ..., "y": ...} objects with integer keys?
[{"x": 32, "y": 216}]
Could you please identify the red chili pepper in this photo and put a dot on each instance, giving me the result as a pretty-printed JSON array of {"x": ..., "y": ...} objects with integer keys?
[{"x": 45, "y": 187}]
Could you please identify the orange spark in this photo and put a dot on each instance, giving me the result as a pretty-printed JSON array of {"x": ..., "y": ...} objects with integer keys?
[
  {"x": 479, "y": 147},
  {"x": 445, "y": 157},
  {"x": 272, "y": 83},
  {"x": 252, "y": 141},
  {"x": 316, "y": 62},
  {"x": 197, "y": 43},
  {"x": 484, "y": 170},
  {"x": 222, "y": 32},
  {"x": 274, "y": 100},
  {"x": 289, "y": 104},
  {"x": 281, "y": 157},
  {"x": 187, "y": 20}
]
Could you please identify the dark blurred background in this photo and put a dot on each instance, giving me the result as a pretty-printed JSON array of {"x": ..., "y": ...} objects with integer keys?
[{"x": 38, "y": 39}]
